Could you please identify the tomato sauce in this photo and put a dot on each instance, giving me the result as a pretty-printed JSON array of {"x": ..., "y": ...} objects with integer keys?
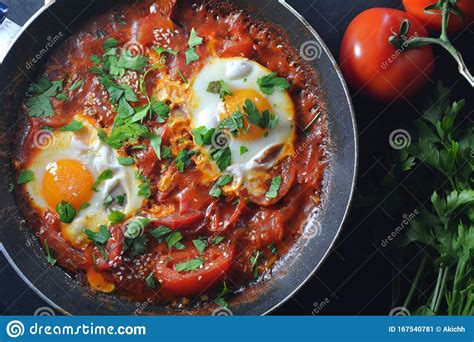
[{"x": 253, "y": 231}]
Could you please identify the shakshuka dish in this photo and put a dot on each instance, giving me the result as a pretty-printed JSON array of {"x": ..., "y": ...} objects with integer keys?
[{"x": 172, "y": 150}]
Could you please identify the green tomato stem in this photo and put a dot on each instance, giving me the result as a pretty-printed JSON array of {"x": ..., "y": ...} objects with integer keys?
[{"x": 444, "y": 42}]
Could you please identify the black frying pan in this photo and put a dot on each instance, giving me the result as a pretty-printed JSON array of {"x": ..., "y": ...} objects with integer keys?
[{"x": 62, "y": 292}]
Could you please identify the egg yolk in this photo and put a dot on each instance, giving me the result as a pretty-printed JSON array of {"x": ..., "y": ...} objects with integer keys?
[
  {"x": 236, "y": 101},
  {"x": 67, "y": 180}
]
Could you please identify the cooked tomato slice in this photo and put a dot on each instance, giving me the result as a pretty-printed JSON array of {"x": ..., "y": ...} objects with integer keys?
[
  {"x": 240, "y": 48},
  {"x": 181, "y": 221},
  {"x": 224, "y": 214},
  {"x": 287, "y": 170},
  {"x": 216, "y": 262},
  {"x": 66, "y": 255},
  {"x": 113, "y": 248}
]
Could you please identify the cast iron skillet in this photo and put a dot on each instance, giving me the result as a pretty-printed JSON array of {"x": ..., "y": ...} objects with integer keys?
[{"x": 64, "y": 293}]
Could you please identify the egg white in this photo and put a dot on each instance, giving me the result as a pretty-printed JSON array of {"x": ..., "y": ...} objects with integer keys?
[
  {"x": 85, "y": 147},
  {"x": 205, "y": 108}
]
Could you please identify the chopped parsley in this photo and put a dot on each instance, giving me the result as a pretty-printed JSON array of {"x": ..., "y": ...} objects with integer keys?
[
  {"x": 125, "y": 161},
  {"x": 160, "y": 233},
  {"x": 136, "y": 227},
  {"x": 101, "y": 237},
  {"x": 107, "y": 174},
  {"x": 223, "y": 290},
  {"x": 155, "y": 142},
  {"x": 116, "y": 217},
  {"x": 234, "y": 123},
  {"x": 243, "y": 150},
  {"x": 264, "y": 119},
  {"x": 222, "y": 157},
  {"x": 269, "y": 83},
  {"x": 272, "y": 247},
  {"x": 254, "y": 259},
  {"x": 203, "y": 136},
  {"x": 84, "y": 206},
  {"x": 49, "y": 257},
  {"x": 200, "y": 245},
  {"x": 274, "y": 187},
  {"x": 42, "y": 91},
  {"x": 216, "y": 190},
  {"x": 190, "y": 265},
  {"x": 194, "y": 40},
  {"x": 25, "y": 176},
  {"x": 217, "y": 240},
  {"x": 174, "y": 238},
  {"x": 76, "y": 85},
  {"x": 136, "y": 246},
  {"x": 120, "y": 199},
  {"x": 66, "y": 212},
  {"x": 183, "y": 160},
  {"x": 73, "y": 126},
  {"x": 150, "y": 281},
  {"x": 220, "y": 88},
  {"x": 108, "y": 200},
  {"x": 160, "y": 50}
]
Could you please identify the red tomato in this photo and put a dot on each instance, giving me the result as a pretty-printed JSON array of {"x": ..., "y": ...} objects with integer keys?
[
  {"x": 217, "y": 260},
  {"x": 433, "y": 21},
  {"x": 370, "y": 63}
]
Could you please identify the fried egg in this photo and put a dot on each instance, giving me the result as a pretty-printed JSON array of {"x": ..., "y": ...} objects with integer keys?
[
  {"x": 253, "y": 149},
  {"x": 66, "y": 169}
]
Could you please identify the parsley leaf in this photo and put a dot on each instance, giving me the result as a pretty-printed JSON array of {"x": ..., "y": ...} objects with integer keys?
[
  {"x": 194, "y": 40},
  {"x": 254, "y": 259},
  {"x": 101, "y": 237},
  {"x": 52, "y": 261},
  {"x": 220, "y": 88},
  {"x": 243, "y": 150},
  {"x": 107, "y": 174},
  {"x": 150, "y": 281},
  {"x": 73, "y": 126},
  {"x": 160, "y": 232},
  {"x": 263, "y": 119},
  {"x": 200, "y": 245},
  {"x": 116, "y": 217},
  {"x": 136, "y": 227},
  {"x": 75, "y": 85},
  {"x": 222, "y": 157},
  {"x": 25, "y": 176},
  {"x": 183, "y": 160},
  {"x": 187, "y": 266},
  {"x": 66, "y": 212},
  {"x": 125, "y": 161},
  {"x": 234, "y": 123},
  {"x": 203, "y": 136},
  {"x": 217, "y": 240},
  {"x": 161, "y": 109},
  {"x": 40, "y": 105},
  {"x": 160, "y": 50},
  {"x": 269, "y": 83},
  {"x": 216, "y": 190},
  {"x": 274, "y": 187},
  {"x": 174, "y": 238},
  {"x": 155, "y": 142}
]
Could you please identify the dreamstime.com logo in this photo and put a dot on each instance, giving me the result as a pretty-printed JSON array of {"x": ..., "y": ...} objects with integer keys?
[{"x": 15, "y": 329}]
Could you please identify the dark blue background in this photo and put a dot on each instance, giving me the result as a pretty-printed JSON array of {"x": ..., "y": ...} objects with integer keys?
[{"x": 357, "y": 277}]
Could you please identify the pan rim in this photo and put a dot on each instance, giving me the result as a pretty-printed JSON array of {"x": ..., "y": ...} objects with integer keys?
[{"x": 354, "y": 161}]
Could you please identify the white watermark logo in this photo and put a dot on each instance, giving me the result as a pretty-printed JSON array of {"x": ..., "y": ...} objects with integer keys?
[
  {"x": 399, "y": 139},
  {"x": 311, "y": 51},
  {"x": 15, "y": 329}
]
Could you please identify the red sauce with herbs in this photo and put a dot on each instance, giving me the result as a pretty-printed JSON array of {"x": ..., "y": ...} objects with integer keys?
[{"x": 252, "y": 234}]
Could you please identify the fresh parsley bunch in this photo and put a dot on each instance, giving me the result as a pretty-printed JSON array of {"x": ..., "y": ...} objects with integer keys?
[{"x": 444, "y": 145}]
